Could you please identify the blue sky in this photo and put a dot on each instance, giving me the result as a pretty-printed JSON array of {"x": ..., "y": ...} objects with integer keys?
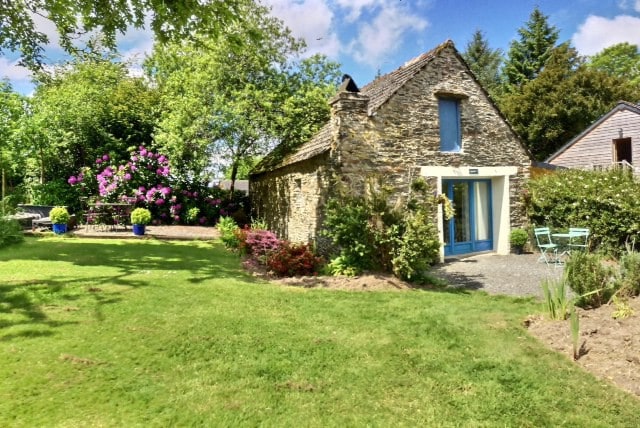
[{"x": 370, "y": 35}]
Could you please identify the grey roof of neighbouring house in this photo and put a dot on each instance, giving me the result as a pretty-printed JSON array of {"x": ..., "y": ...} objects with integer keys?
[{"x": 622, "y": 105}]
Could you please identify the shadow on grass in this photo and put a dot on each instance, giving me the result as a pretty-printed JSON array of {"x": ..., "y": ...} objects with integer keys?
[{"x": 23, "y": 303}]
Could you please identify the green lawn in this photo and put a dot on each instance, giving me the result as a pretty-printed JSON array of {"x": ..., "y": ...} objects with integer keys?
[{"x": 151, "y": 333}]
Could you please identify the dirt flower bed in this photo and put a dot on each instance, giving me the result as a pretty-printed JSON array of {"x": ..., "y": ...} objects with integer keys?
[{"x": 610, "y": 347}]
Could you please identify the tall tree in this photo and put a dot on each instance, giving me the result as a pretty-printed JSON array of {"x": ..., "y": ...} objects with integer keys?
[
  {"x": 87, "y": 108},
  {"x": 562, "y": 101},
  {"x": 621, "y": 60},
  {"x": 169, "y": 20},
  {"x": 484, "y": 62},
  {"x": 528, "y": 55},
  {"x": 12, "y": 159},
  {"x": 231, "y": 104}
]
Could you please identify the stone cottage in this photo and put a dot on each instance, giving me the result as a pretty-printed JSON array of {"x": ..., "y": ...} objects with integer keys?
[
  {"x": 611, "y": 141},
  {"x": 429, "y": 118}
]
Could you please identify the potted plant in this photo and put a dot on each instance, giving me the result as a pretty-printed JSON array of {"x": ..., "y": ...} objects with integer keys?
[
  {"x": 59, "y": 218},
  {"x": 518, "y": 239},
  {"x": 140, "y": 217}
]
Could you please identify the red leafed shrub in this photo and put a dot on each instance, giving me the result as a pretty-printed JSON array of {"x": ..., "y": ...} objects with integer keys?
[
  {"x": 259, "y": 242},
  {"x": 293, "y": 260}
]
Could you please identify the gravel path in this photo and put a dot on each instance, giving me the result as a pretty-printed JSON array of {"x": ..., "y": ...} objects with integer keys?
[{"x": 514, "y": 275}]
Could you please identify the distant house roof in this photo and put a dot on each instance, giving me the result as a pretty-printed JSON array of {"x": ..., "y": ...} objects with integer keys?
[
  {"x": 622, "y": 105},
  {"x": 242, "y": 185}
]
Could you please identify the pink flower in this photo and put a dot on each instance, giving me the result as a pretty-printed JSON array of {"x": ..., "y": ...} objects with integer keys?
[
  {"x": 72, "y": 180},
  {"x": 176, "y": 218},
  {"x": 159, "y": 201},
  {"x": 127, "y": 176},
  {"x": 105, "y": 158},
  {"x": 98, "y": 161}
]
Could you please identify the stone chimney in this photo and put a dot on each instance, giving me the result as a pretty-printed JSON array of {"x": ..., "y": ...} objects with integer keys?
[{"x": 348, "y": 100}]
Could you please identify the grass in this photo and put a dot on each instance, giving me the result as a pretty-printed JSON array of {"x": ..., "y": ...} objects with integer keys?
[{"x": 152, "y": 333}]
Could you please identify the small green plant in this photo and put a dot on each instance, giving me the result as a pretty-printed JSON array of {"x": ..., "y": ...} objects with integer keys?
[
  {"x": 623, "y": 309},
  {"x": 518, "y": 238},
  {"x": 59, "y": 215},
  {"x": 555, "y": 298},
  {"x": 192, "y": 215},
  {"x": 10, "y": 232},
  {"x": 228, "y": 232},
  {"x": 575, "y": 332},
  {"x": 140, "y": 216},
  {"x": 259, "y": 223},
  {"x": 340, "y": 266}
]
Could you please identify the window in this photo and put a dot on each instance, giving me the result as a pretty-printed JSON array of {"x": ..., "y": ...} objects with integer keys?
[{"x": 449, "y": 112}]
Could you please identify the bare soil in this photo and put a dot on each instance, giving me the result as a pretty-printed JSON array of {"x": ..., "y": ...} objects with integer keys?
[{"x": 609, "y": 347}]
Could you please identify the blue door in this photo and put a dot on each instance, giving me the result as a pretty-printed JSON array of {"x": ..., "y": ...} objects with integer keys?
[{"x": 470, "y": 230}]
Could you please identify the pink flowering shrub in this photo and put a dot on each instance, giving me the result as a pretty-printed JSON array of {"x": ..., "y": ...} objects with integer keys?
[
  {"x": 146, "y": 180},
  {"x": 260, "y": 242}
]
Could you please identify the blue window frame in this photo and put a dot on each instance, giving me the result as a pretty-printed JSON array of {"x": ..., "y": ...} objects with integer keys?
[{"x": 449, "y": 112}]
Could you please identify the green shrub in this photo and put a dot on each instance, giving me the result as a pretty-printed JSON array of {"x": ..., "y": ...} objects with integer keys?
[
  {"x": 606, "y": 202},
  {"x": 59, "y": 215},
  {"x": 140, "y": 216},
  {"x": 371, "y": 234},
  {"x": 589, "y": 278},
  {"x": 10, "y": 232},
  {"x": 418, "y": 248},
  {"x": 55, "y": 192},
  {"x": 629, "y": 282},
  {"x": 228, "y": 228}
]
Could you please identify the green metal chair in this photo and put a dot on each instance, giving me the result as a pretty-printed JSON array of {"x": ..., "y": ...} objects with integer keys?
[
  {"x": 545, "y": 244},
  {"x": 579, "y": 237}
]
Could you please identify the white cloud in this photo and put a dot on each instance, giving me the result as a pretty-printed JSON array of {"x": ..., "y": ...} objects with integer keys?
[
  {"x": 636, "y": 6},
  {"x": 136, "y": 43},
  {"x": 384, "y": 34},
  {"x": 597, "y": 33},
  {"x": 356, "y": 7},
  {"x": 311, "y": 20},
  {"x": 12, "y": 71}
]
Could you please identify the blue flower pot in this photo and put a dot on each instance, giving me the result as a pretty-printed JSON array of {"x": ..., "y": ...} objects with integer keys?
[
  {"x": 59, "y": 229},
  {"x": 138, "y": 229}
]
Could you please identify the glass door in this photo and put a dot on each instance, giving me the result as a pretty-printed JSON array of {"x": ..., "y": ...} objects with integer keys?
[{"x": 470, "y": 229}]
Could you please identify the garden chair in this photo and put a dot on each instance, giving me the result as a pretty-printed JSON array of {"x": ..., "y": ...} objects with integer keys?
[
  {"x": 546, "y": 246},
  {"x": 578, "y": 238}
]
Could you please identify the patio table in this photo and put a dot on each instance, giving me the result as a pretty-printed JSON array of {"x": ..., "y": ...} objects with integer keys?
[
  {"x": 108, "y": 215},
  {"x": 562, "y": 239}
]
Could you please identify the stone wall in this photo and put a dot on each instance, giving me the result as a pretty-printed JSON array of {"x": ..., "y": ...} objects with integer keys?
[{"x": 291, "y": 199}]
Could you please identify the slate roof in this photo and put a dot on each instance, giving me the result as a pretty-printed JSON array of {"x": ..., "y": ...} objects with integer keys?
[
  {"x": 622, "y": 105},
  {"x": 378, "y": 91}
]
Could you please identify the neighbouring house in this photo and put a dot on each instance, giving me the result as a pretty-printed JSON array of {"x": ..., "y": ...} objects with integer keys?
[
  {"x": 430, "y": 118},
  {"x": 240, "y": 185},
  {"x": 611, "y": 141}
]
